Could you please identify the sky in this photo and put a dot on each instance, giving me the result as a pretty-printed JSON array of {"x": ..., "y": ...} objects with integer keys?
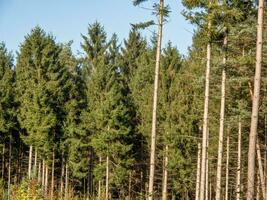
[{"x": 68, "y": 19}]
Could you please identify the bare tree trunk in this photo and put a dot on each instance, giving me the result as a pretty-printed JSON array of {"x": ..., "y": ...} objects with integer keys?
[
  {"x": 67, "y": 182},
  {"x": 155, "y": 100},
  {"x": 165, "y": 175},
  {"x": 35, "y": 162},
  {"x": 99, "y": 182},
  {"x": 9, "y": 168},
  {"x": 30, "y": 162},
  {"x": 255, "y": 106},
  {"x": 238, "y": 177},
  {"x": 198, "y": 171},
  {"x": 107, "y": 178},
  {"x": 205, "y": 123},
  {"x": 39, "y": 172},
  {"x": 221, "y": 131},
  {"x": 207, "y": 170},
  {"x": 262, "y": 181},
  {"x": 3, "y": 161},
  {"x": 227, "y": 168},
  {"x": 61, "y": 178},
  {"x": 52, "y": 175},
  {"x": 46, "y": 181},
  {"x": 130, "y": 186},
  {"x": 43, "y": 175}
]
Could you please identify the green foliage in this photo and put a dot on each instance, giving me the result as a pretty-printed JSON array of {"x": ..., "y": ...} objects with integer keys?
[{"x": 27, "y": 190}]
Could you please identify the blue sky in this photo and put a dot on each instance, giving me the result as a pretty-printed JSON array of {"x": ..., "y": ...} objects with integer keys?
[{"x": 67, "y": 19}]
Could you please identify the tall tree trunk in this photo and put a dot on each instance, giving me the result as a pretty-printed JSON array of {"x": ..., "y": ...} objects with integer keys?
[
  {"x": 198, "y": 171},
  {"x": 165, "y": 175},
  {"x": 30, "y": 162},
  {"x": 227, "y": 168},
  {"x": 67, "y": 182},
  {"x": 35, "y": 162},
  {"x": 205, "y": 122},
  {"x": 221, "y": 131},
  {"x": 3, "y": 161},
  {"x": 39, "y": 172},
  {"x": 207, "y": 170},
  {"x": 52, "y": 175},
  {"x": 9, "y": 168},
  {"x": 46, "y": 181},
  {"x": 239, "y": 156},
  {"x": 262, "y": 181},
  {"x": 99, "y": 182},
  {"x": 255, "y": 106},
  {"x": 130, "y": 186},
  {"x": 43, "y": 175},
  {"x": 62, "y": 176},
  {"x": 107, "y": 178},
  {"x": 155, "y": 100}
]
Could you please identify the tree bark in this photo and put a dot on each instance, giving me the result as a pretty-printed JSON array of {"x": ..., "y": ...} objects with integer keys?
[
  {"x": 165, "y": 176},
  {"x": 52, "y": 175},
  {"x": 43, "y": 175},
  {"x": 207, "y": 170},
  {"x": 239, "y": 156},
  {"x": 9, "y": 168},
  {"x": 227, "y": 168},
  {"x": 99, "y": 182},
  {"x": 221, "y": 129},
  {"x": 39, "y": 172},
  {"x": 67, "y": 182},
  {"x": 46, "y": 181},
  {"x": 262, "y": 181},
  {"x": 198, "y": 172},
  {"x": 3, "y": 161},
  {"x": 107, "y": 178},
  {"x": 30, "y": 162},
  {"x": 205, "y": 123},
  {"x": 62, "y": 176},
  {"x": 35, "y": 162},
  {"x": 155, "y": 100},
  {"x": 255, "y": 106}
]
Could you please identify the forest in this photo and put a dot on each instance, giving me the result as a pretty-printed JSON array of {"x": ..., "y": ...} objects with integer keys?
[{"x": 136, "y": 119}]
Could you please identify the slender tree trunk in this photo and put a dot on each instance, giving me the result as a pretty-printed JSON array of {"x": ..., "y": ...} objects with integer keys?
[
  {"x": 43, "y": 176},
  {"x": 3, "y": 161},
  {"x": 107, "y": 178},
  {"x": 221, "y": 131},
  {"x": 30, "y": 162},
  {"x": 67, "y": 182},
  {"x": 62, "y": 176},
  {"x": 255, "y": 106},
  {"x": 52, "y": 175},
  {"x": 207, "y": 170},
  {"x": 46, "y": 181},
  {"x": 262, "y": 181},
  {"x": 198, "y": 171},
  {"x": 39, "y": 172},
  {"x": 227, "y": 168},
  {"x": 238, "y": 176},
  {"x": 9, "y": 168},
  {"x": 205, "y": 123},
  {"x": 99, "y": 182},
  {"x": 130, "y": 186},
  {"x": 155, "y": 100},
  {"x": 165, "y": 176},
  {"x": 35, "y": 162}
]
